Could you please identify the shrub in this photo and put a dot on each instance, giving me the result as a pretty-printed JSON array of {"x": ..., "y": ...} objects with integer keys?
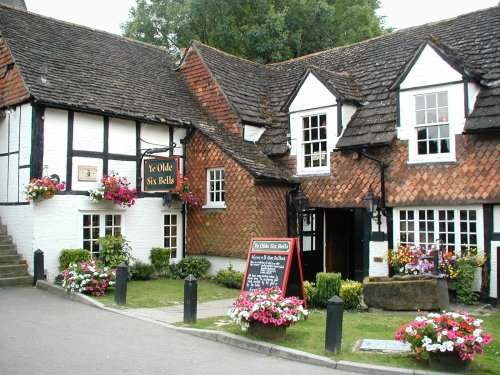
[
  {"x": 87, "y": 277},
  {"x": 160, "y": 259},
  {"x": 69, "y": 256},
  {"x": 311, "y": 294},
  {"x": 190, "y": 266},
  {"x": 328, "y": 285},
  {"x": 113, "y": 251},
  {"x": 229, "y": 278},
  {"x": 141, "y": 271},
  {"x": 350, "y": 293}
]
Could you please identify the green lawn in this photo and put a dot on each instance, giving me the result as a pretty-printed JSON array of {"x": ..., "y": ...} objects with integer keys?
[
  {"x": 309, "y": 336},
  {"x": 166, "y": 292}
]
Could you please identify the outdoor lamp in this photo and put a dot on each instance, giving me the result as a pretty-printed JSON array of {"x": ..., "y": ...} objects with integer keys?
[
  {"x": 300, "y": 202},
  {"x": 371, "y": 202}
]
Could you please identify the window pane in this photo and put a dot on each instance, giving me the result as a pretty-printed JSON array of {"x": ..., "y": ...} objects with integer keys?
[
  {"x": 420, "y": 102},
  {"x": 431, "y": 100},
  {"x": 443, "y": 114},
  {"x": 422, "y": 148},
  {"x": 433, "y": 147},
  {"x": 443, "y": 99},
  {"x": 431, "y": 116},
  {"x": 420, "y": 117}
]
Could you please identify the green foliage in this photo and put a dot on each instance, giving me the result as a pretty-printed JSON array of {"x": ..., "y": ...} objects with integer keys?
[
  {"x": 328, "y": 285},
  {"x": 463, "y": 282},
  {"x": 229, "y": 278},
  {"x": 311, "y": 294},
  {"x": 141, "y": 271},
  {"x": 69, "y": 256},
  {"x": 160, "y": 258},
  {"x": 350, "y": 293},
  {"x": 259, "y": 30},
  {"x": 190, "y": 266},
  {"x": 113, "y": 251}
]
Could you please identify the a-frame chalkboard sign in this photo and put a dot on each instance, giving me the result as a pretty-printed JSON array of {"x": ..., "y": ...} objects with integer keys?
[{"x": 274, "y": 261}]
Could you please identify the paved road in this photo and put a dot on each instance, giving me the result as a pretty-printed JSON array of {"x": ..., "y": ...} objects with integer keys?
[{"x": 41, "y": 333}]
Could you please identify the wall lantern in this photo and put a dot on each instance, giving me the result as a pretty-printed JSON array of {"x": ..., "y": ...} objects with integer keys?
[
  {"x": 300, "y": 202},
  {"x": 375, "y": 210}
]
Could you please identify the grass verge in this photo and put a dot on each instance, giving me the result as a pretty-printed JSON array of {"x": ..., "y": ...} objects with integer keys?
[
  {"x": 309, "y": 336},
  {"x": 166, "y": 292}
]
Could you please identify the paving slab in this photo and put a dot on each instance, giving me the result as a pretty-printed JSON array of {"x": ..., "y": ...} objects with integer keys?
[{"x": 384, "y": 346}]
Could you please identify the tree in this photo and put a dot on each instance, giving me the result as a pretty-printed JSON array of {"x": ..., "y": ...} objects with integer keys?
[{"x": 259, "y": 30}]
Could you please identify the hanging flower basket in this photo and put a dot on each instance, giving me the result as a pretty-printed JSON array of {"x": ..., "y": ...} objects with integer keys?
[
  {"x": 115, "y": 189},
  {"x": 43, "y": 188},
  {"x": 183, "y": 195}
]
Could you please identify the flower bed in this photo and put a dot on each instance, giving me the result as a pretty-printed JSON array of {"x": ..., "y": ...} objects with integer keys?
[{"x": 87, "y": 277}]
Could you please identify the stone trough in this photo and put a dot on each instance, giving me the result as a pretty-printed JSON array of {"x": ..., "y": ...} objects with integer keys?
[{"x": 406, "y": 293}]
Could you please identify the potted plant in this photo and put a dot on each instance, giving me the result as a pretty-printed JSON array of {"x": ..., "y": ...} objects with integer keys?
[
  {"x": 43, "y": 188},
  {"x": 87, "y": 277},
  {"x": 266, "y": 312},
  {"x": 183, "y": 195},
  {"x": 451, "y": 340},
  {"x": 115, "y": 189}
]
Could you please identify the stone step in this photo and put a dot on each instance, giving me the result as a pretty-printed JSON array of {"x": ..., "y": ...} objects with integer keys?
[
  {"x": 3, "y": 229},
  {"x": 16, "y": 281},
  {"x": 14, "y": 258},
  {"x": 8, "y": 246},
  {"x": 5, "y": 238},
  {"x": 13, "y": 270},
  {"x": 8, "y": 252}
]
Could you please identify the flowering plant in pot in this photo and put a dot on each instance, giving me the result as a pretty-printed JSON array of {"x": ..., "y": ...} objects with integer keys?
[
  {"x": 115, "y": 189},
  {"x": 456, "y": 333},
  {"x": 411, "y": 260},
  {"x": 267, "y": 306},
  {"x": 43, "y": 188},
  {"x": 183, "y": 194},
  {"x": 88, "y": 277}
]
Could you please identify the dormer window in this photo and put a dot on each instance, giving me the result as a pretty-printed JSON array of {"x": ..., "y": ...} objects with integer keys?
[
  {"x": 314, "y": 141},
  {"x": 432, "y": 127}
]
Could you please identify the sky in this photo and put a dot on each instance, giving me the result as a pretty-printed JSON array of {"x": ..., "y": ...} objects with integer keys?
[{"x": 108, "y": 15}]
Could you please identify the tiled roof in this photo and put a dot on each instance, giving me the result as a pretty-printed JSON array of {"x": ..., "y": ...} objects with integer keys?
[
  {"x": 247, "y": 154},
  {"x": 472, "y": 41},
  {"x": 486, "y": 113},
  {"x": 73, "y": 66}
]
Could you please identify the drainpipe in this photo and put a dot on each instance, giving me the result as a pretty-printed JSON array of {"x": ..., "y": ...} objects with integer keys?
[
  {"x": 383, "y": 166},
  {"x": 183, "y": 211}
]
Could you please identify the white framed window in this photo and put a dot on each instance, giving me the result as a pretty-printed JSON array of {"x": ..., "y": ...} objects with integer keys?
[
  {"x": 432, "y": 126},
  {"x": 171, "y": 233},
  {"x": 458, "y": 228},
  {"x": 215, "y": 188},
  {"x": 314, "y": 146},
  {"x": 97, "y": 225}
]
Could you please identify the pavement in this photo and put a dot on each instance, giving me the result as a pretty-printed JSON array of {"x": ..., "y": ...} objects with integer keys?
[{"x": 167, "y": 316}]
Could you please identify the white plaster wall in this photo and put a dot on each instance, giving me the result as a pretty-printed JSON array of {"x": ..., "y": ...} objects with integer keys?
[
  {"x": 473, "y": 91},
  {"x": 494, "y": 269},
  {"x": 55, "y": 143},
  {"x": 122, "y": 136},
  {"x": 13, "y": 175},
  {"x": 24, "y": 177},
  {"x": 88, "y": 132},
  {"x": 218, "y": 263},
  {"x": 312, "y": 94},
  {"x": 57, "y": 224},
  {"x": 15, "y": 123},
  {"x": 25, "y": 135},
  {"x": 85, "y": 185},
  {"x": 124, "y": 169},
  {"x": 4, "y": 134},
  {"x": 378, "y": 250},
  {"x": 4, "y": 164},
  {"x": 430, "y": 69}
]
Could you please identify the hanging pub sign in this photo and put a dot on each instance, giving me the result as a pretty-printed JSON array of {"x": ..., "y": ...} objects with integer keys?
[
  {"x": 161, "y": 174},
  {"x": 274, "y": 262}
]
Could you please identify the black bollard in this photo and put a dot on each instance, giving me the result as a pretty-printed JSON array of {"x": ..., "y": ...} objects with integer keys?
[
  {"x": 334, "y": 316},
  {"x": 38, "y": 266},
  {"x": 121, "y": 284},
  {"x": 190, "y": 297}
]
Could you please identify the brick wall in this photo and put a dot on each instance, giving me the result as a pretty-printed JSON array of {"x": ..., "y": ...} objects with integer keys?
[
  {"x": 12, "y": 89},
  {"x": 472, "y": 179},
  {"x": 252, "y": 210},
  {"x": 208, "y": 92}
]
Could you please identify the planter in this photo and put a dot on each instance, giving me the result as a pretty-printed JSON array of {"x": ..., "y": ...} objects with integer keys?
[
  {"x": 406, "y": 293},
  {"x": 266, "y": 331},
  {"x": 448, "y": 361}
]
